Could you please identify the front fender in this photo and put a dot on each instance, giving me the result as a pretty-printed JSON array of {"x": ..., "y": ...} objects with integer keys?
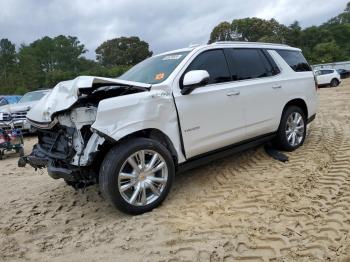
[{"x": 118, "y": 117}]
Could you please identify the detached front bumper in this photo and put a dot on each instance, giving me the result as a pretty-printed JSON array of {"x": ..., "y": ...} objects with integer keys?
[
  {"x": 35, "y": 161},
  {"x": 40, "y": 161},
  {"x": 53, "y": 151}
]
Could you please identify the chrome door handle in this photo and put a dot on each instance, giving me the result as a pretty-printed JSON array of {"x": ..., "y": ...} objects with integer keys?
[
  {"x": 233, "y": 93},
  {"x": 276, "y": 87}
]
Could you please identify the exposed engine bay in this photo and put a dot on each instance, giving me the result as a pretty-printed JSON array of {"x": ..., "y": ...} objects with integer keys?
[
  {"x": 80, "y": 120},
  {"x": 68, "y": 145}
]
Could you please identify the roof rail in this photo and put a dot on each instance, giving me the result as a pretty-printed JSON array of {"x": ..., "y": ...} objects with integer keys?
[
  {"x": 193, "y": 45},
  {"x": 246, "y": 43}
]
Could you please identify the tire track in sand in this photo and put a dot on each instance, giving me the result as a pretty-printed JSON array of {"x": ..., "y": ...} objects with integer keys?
[
  {"x": 247, "y": 207},
  {"x": 304, "y": 217}
]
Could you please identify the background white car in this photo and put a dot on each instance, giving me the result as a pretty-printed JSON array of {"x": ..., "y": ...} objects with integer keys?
[
  {"x": 16, "y": 114},
  {"x": 329, "y": 77}
]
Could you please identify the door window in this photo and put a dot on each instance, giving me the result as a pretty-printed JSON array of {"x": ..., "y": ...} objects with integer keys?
[
  {"x": 249, "y": 63},
  {"x": 214, "y": 62}
]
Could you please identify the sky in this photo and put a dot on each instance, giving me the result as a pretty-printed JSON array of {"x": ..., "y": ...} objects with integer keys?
[{"x": 165, "y": 25}]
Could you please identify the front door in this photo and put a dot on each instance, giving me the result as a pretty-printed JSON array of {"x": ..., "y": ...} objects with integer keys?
[{"x": 211, "y": 117}]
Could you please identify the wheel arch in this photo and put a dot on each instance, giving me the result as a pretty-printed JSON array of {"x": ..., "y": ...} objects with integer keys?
[
  {"x": 336, "y": 79},
  {"x": 299, "y": 103},
  {"x": 151, "y": 133},
  {"x": 156, "y": 134}
]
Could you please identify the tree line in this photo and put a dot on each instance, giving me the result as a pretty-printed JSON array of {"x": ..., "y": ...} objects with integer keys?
[
  {"x": 47, "y": 61},
  {"x": 329, "y": 42}
]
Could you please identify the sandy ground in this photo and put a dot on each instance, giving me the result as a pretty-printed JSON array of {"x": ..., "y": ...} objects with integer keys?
[{"x": 247, "y": 207}]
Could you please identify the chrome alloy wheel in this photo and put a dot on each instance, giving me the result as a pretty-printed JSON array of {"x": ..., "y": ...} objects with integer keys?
[
  {"x": 295, "y": 129},
  {"x": 142, "y": 177}
]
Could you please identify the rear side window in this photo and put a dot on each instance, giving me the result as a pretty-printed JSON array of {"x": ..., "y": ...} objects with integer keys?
[
  {"x": 214, "y": 62},
  {"x": 295, "y": 60},
  {"x": 249, "y": 64},
  {"x": 326, "y": 72}
]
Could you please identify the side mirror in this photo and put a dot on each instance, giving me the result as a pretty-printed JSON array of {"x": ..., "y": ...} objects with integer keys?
[{"x": 193, "y": 79}]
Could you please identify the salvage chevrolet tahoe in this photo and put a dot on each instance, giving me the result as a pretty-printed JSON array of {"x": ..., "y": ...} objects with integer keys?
[{"x": 169, "y": 113}]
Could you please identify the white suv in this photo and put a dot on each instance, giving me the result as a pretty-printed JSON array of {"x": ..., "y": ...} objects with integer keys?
[
  {"x": 329, "y": 77},
  {"x": 170, "y": 113}
]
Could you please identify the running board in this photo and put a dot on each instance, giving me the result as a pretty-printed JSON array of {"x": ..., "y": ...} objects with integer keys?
[{"x": 223, "y": 152}]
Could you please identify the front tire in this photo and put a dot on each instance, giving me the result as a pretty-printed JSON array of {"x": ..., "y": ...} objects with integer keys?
[
  {"x": 136, "y": 175},
  {"x": 292, "y": 130}
]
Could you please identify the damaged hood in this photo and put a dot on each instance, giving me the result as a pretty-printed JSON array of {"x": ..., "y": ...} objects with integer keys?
[{"x": 66, "y": 93}]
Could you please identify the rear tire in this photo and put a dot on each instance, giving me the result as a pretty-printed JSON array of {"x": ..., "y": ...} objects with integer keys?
[
  {"x": 136, "y": 175},
  {"x": 292, "y": 129},
  {"x": 334, "y": 82}
]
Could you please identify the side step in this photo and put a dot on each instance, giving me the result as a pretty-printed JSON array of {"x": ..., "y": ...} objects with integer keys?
[{"x": 224, "y": 152}]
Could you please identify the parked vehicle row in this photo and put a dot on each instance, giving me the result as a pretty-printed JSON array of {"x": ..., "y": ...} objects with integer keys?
[
  {"x": 169, "y": 113},
  {"x": 15, "y": 115}
]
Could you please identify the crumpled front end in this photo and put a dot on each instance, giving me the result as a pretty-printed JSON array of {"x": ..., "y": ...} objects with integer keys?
[
  {"x": 67, "y": 145},
  {"x": 72, "y": 141},
  {"x": 67, "y": 93}
]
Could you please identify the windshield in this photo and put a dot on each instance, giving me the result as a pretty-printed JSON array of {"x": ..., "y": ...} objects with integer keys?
[
  {"x": 155, "y": 69},
  {"x": 32, "y": 96}
]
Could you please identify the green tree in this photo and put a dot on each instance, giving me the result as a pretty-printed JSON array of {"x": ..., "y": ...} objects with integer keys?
[
  {"x": 61, "y": 52},
  {"x": 315, "y": 41},
  {"x": 30, "y": 74},
  {"x": 293, "y": 34},
  {"x": 250, "y": 29},
  {"x": 45, "y": 62},
  {"x": 7, "y": 58},
  {"x": 46, "y": 57},
  {"x": 122, "y": 51},
  {"x": 256, "y": 29},
  {"x": 223, "y": 32},
  {"x": 67, "y": 52},
  {"x": 312, "y": 36},
  {"x": 327, "y": 52}
]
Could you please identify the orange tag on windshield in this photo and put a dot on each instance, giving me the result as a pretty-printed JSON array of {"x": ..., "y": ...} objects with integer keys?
[{"x": 159, "y": 76}]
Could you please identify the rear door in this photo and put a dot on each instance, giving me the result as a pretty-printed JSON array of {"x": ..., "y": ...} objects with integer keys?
[
  {"x": 211, "y": 117},
  {"x": 255, "y": 72}
]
